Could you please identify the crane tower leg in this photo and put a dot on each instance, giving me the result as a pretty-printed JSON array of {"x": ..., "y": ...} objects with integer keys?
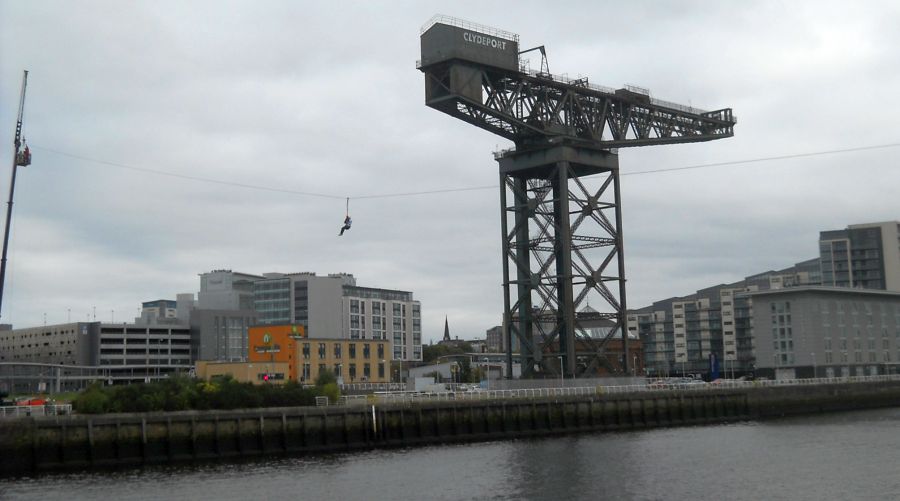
[{"x": 565, "y": 247}]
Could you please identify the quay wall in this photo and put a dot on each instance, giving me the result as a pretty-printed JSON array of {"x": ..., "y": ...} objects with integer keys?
[{"x": 32, "y": 445}]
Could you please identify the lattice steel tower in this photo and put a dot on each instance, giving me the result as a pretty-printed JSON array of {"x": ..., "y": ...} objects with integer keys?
[{"x": 559, "y": 187}]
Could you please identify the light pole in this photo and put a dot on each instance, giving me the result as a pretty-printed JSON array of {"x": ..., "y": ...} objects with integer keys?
[
  {"x": 815, "y": 372},
  {"x": 634, "y": 366}
]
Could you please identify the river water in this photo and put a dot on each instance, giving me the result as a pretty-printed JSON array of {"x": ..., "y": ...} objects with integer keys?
[{"x": 836, "y": 456}]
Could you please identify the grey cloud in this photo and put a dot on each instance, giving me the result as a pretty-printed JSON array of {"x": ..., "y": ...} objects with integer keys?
[{"x": 324, "y": 98}]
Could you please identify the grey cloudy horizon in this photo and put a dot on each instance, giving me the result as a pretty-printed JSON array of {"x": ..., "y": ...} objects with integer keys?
[{"x": 324, "y": 98}]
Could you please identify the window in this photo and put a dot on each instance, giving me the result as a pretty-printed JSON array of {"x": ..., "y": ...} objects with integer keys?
[
  {"x": 367, "y": 370},
  {"x": 337, "y": 350},
  {"x": 352, "y": 372},
  {"x": 321, "y": 350},
  {"x": 305, "y": 350},
  {"x": 367, "y": 352},
  {"x": 380, "y": 351},
  {"x": 381, "y": 370},
  {"x": 352, "y": 351}
]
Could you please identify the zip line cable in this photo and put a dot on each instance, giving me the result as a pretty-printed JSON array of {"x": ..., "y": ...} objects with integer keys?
[
  {"x": 451, "y": 190},
  {"x": 192, "y": 178}
]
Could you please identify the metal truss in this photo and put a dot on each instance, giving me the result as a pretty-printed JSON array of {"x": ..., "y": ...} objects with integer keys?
[
  {"x": 562, "y": 244},
  {"x": 562, "y": 232},
  {"x": 534, "y": 107}
]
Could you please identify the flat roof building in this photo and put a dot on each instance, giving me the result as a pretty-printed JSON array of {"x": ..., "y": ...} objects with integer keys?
[
  {"x": 334, "y": 307},
  {"x": 680, "y": 334},
  {"x": 110, "y": 352},
  {"x": 350, "y": 360},
  {"x": 825, "y": 332},
  {"x": 863, "y": 256}
]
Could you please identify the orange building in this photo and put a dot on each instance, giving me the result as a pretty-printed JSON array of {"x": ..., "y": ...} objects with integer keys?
[{"x": 275, "y": 343}]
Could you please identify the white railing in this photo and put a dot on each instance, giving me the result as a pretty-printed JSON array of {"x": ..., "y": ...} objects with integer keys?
[
  {"x": 528, "y": 393},
  {"x": 35, "y": 410},
  {"x": 372, "y": 386}
]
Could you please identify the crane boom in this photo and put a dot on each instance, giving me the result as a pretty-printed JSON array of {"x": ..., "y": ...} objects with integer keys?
[{"x": 18, "y": 159}]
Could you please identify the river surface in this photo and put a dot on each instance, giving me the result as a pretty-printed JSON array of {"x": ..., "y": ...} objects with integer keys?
[{"x": 836, "y": 456}]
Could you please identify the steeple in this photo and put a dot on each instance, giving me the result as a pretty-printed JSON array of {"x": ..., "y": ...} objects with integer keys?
[{"x": 446, "y": 329}]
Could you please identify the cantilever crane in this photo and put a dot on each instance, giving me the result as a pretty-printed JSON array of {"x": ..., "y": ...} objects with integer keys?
[
  {"x": 20, "y": 159},
  {"x": 562, "y": 239}
]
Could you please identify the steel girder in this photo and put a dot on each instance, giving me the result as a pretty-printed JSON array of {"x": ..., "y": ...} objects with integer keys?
[
  {"x": 532, "y": 108},
  {"x": 562, "y": 244}
]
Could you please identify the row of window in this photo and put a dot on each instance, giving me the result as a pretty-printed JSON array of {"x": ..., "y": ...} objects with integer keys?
[
  {"x": 857, "y": 356},
  {"x": 351, "y": 371},
  {"x": 338, "y": 350}
]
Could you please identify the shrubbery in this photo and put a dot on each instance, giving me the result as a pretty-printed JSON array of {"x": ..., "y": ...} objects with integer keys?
[{"x": 181, "y": 393}]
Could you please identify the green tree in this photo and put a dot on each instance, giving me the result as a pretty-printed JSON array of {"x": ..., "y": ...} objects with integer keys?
[
  {"x": 432, "y": 352},
  {"x": 326, "y": 386},
  {"x": 465, "y": 371},
  {"x": 93, "y": 400},
  {"x": 325, "y": 377},
  {"x": 331, "y": 391}
]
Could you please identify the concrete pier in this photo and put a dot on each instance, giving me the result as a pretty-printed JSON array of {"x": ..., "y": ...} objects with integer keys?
[{"x": 37, "y": 444}]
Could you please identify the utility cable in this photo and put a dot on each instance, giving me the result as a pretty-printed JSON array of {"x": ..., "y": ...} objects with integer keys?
[{"x": 452, "y": 190}]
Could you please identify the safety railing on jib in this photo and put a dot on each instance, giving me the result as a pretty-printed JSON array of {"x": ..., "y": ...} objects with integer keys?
[{"x": 468, "y": 25}]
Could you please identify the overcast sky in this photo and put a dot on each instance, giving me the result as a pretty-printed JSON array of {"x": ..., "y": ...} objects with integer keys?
[{"x": 324, "y": 98}]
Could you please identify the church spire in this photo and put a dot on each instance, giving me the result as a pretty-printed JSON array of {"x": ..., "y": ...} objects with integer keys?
[{"x": 446, "y": 329}]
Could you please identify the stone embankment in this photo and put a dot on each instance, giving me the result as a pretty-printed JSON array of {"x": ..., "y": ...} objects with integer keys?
[{"x": 37, "y": 444}]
